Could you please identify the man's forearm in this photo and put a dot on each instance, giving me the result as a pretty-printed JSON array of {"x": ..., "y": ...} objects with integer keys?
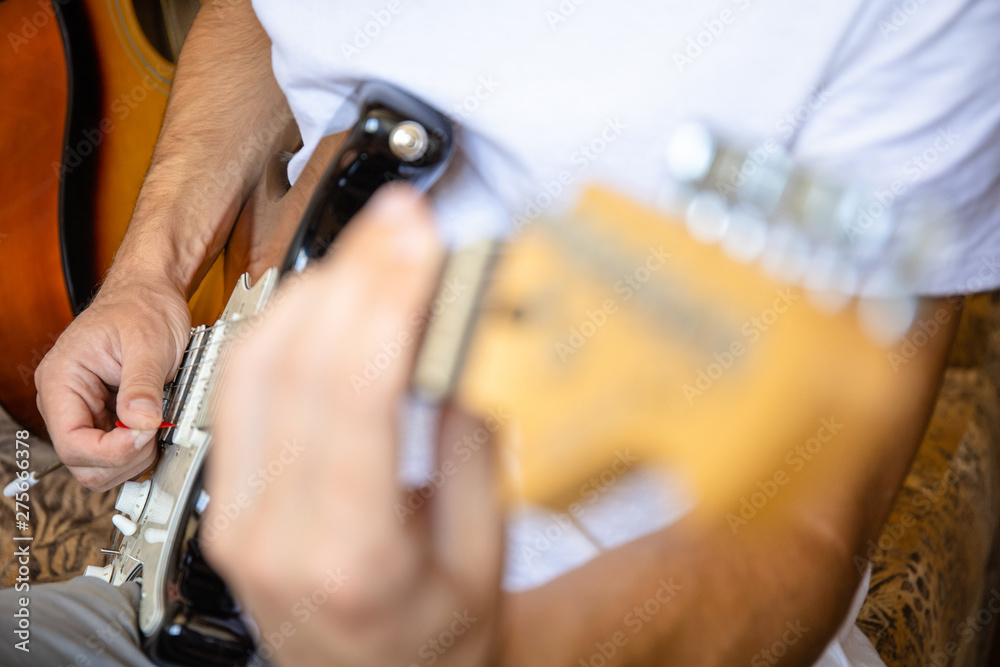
[
  {"x": 224, "y": 114},
  {"x": 685, "y": 596},
  {"x": 705, "y": 593}
]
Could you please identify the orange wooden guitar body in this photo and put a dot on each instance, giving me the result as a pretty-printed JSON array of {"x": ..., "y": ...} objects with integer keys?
[
  {"x": 34, "y": 88},
  {"x": 84, "y": 94}
]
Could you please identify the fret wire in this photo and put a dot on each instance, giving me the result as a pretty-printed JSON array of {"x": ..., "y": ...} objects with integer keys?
[
  {"x": 206, "y": 344},
  {"x": 221, "y": 362}
]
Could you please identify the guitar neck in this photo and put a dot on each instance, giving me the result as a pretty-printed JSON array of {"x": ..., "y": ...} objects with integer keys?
[{"x": 613, "y": 332}]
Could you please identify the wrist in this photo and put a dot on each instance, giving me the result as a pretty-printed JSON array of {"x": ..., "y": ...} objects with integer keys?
[
  {"x": 167, "y": 245},
  {"x": 151, "y": 262}
]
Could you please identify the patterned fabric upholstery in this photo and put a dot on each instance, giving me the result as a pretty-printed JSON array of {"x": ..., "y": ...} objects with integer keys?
[
  {"x": 70, "y": 524},
  {"x": 934, "y": 566}
]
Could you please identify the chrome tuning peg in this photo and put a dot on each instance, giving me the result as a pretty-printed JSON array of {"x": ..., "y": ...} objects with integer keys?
[{"x": 831, "y": 238}]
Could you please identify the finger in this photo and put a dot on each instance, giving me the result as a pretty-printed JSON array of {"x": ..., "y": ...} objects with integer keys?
[
  {"x": 68, "y": 410},
  {"x": 381, "y": 278},
  {"x": 467, "y": 512},
  {"x": 363, "y": 297},
  {"x": 377, "y": 282},
  {"x": 362, "y": 317},
  {"x": 102, "y": 479},
  {"x": 146, "y": 367}
]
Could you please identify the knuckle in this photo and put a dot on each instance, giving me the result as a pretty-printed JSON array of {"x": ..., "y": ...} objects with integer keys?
[
  {"x": 89, "y": 478},
  {"x": 121, "y": 459},
  {"x": 43, "y": 371}
]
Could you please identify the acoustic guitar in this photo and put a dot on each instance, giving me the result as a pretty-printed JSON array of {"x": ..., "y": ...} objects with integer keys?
[
  {"x": 610, "y": 332},
  {"x": 84, "y": 86}
]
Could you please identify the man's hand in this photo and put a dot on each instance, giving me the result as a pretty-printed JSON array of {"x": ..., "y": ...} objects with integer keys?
[
  {"x": 112, "y": 362},
  {"x": 225, "y": 110},
  {"x": 307, "y": 522}
]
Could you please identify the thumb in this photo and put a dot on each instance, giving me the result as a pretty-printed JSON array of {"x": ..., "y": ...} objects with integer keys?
[{"x": 140, "y": 395}]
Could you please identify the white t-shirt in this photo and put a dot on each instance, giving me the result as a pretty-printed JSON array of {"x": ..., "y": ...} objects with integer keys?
[{"x": 902, "y": 95}]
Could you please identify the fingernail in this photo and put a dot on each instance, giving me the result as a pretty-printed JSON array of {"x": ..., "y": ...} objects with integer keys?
[
  {"x": 145, "y": 407},
  {"x": 143, "y": 437}
]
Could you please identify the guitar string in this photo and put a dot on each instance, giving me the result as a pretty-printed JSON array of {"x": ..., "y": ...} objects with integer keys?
[
  {"x": 221, "y": 361},
  {"x": 196, "y": 364}
]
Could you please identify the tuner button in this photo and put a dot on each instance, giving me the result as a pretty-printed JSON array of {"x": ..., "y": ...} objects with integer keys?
[
  {"x": 745, "y": 238},
  {"x": 707, "y": 217},
  {"x": 886, "y": 320},
  {"x": 786, "y": 255},
  {"x": 124, "y": 524},
  {"x": 691, "y": 152},
  {"x": 100, "y": 572},
  {"x": 132, "y": 498},
  {"x": 155, "y": 535}
]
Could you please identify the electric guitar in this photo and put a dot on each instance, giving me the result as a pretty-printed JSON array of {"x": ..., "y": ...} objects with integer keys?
[
  {"x": 612, "y": 329},
  {"x": 186, "y": 614}
]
